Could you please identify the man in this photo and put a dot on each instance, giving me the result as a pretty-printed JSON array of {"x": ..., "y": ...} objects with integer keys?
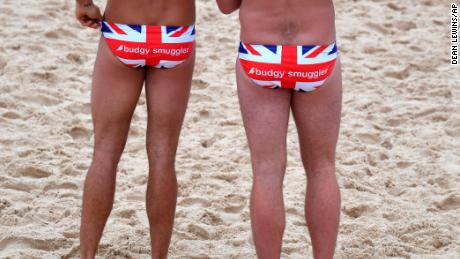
[
  {"x": 149, "y": 41},
  {"x": 289, "y": 45}
]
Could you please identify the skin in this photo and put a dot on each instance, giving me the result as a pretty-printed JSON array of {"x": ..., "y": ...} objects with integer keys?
[
  {"x": 115, "y": 92},
  {"x": 266, "y": 114}
]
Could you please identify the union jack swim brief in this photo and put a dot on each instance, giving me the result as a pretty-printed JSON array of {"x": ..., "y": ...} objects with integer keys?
[
  {"x": 149, "y": 45},
  {"x": 301, "y": 68}
]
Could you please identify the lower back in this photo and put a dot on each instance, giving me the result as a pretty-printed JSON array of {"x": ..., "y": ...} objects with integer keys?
[
  {"x": 151, "y": 12},
  {"x": 287, "y": 22}
]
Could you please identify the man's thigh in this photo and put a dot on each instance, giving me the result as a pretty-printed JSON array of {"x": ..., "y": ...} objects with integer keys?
[
  {"x": 167, "y": 93},
  {"x": 265, "y": 115},
  {"x": 317, "y": 116},
  {"x": 115, "y": 91}
]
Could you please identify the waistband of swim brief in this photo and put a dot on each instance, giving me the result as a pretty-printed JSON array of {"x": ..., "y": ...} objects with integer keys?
[
  {"x": 259, "y": 49},
  {"x": 107, "y": 26},
  {"x": 281, "y": 45}
]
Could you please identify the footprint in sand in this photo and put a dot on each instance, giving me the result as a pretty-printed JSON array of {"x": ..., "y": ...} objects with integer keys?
[
  {"x": 416, "y": 48},
  {"x": 195, "y": 201},
  {"x": 300, "y": 223},
  {"x": 199, "y": 231},
  {"x": 12, "y": 243},
  {"x": 79, "y": 133},
  {"x": 452, "y": 126},
  {"x": 427, "y": 2},
  {"x": 396, "y": 7},
  {"x": 210, "y": 218},
  {"x": 200, "y": 68},
  {"x": 224, "y": 40},
  {"x": 231, "y": 122},
  {"x": 33, "y": 172},
  {"x": 210, "y": 141},
  {"x": 356, "y": 211},
  {"x": 387, "y": 144},
  {"x": 377, "y": 27},
  {"x": 396, "y": 121},
  {"x": 22, "y": 212},
  {"x": 290, "y": 250},
  {"x": 42, "y": 100},
  {"x": 235, "y": 203},
  {"x": 206, "y": 143},
  {"x": 37, "y": 17},
  {"x": 70, "y": 170},
  {"x": 36, "y": 49},
  {"x": 294, "y": 211},
  {"x": 368, "y": 138},
  {"x": 43, "y": 76},
  {"x": 204, "y": 114},
  {"x": 52, "y": 35},
  {"x": 127, "y": 214},
  {"x": 236, "y": 243},
  {"x": 137, "y": 131},
  {"x": 109, "y": 251},
  {"x": 398, "y": 73},
  {"x": 386, "y": 109},
  {"x": 4, "y": 204},
  {"x": 11, "y": 115},
  {"x": 452, "y": 202},
  {"x": 373, "y": 49},
  {"x": 74, "y": 58},
  {"x": 209, "y": 16},
  {"x": 200, "y": 98},
  {"x": 79, "y": 108},
  {"x": 61, "y": 186},
  {"x": 404, "y": 164},
  {"x": 200, "y": 84},
  {"x": 71, "y": 234},
  {"x": 26, "y": 243},
  {"x": 19, "y": 186},
  {"x": 227, "y": 177},
  {"x": 140, "y": 179},
  {"x": 440, "y": 117},
  {"x": 405, "y": 25}
]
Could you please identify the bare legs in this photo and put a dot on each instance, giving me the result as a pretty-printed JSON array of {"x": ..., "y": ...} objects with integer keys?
[
  {"x": 115, "y": 92},
  {"x": 265, "y": 116},
  {"x": 317, "y": 115},
  {"x": 167, "y": 94},
  {"x": 116, "y": 89}
]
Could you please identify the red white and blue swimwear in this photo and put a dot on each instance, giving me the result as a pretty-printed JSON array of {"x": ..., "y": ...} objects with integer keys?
[
  {"x": 149, "y": 45},
  {"x": 301, "y": 68}
]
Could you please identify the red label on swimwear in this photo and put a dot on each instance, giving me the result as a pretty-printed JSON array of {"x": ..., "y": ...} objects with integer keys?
[
  {"x": 302, "y": 68},
  {"x": 148, "y": 45}
]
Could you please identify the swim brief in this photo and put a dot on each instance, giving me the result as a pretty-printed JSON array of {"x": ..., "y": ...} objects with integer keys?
[
  {"x": 149, "y": 45},
  {"x": 301, "y": 68}
]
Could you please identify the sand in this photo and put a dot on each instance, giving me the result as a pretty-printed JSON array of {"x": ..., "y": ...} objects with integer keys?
[{"x": 398, "y": 158}]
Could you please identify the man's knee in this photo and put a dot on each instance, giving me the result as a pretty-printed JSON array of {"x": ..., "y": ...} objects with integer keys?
[
  {"x": 320, "y": 167},
  {"x": 317, "y": 158},
  {"x": 161, "y": 148},
  {"x": 108, "y": 146},
  {"x": 161, "y": 159},
  {"x": 268, "y": 171}
]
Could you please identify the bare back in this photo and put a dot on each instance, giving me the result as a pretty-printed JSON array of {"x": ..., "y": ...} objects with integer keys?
[
  {"x": 287, "y": 22},
  {"x": 151, "y": 12}
]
